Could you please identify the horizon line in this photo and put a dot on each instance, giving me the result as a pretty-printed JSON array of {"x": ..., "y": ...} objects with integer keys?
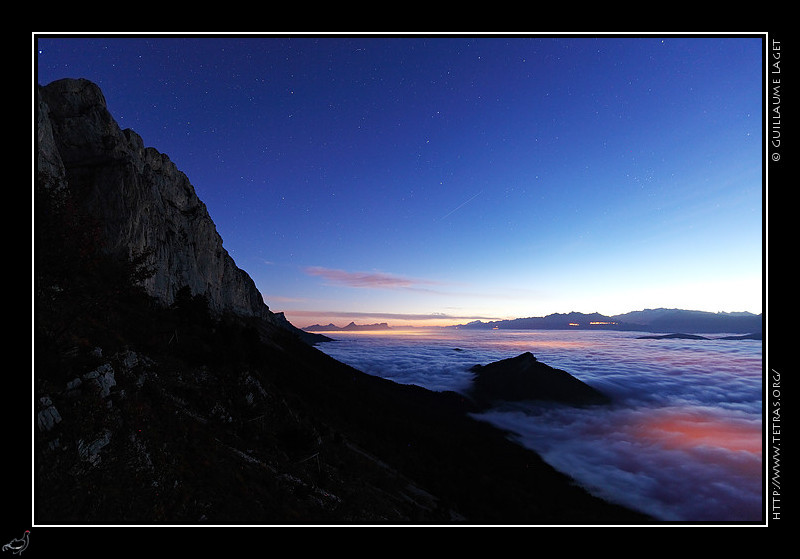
[{"x": 453, "y": 320}]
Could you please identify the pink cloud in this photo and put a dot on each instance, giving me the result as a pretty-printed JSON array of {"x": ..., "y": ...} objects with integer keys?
[{"x": 371, "y": 280}]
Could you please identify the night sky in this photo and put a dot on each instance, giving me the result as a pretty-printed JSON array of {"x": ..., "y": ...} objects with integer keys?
[{"x": 406, "y": 179}]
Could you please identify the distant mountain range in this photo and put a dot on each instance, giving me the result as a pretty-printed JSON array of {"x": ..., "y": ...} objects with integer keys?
[
  {"x": 659, "y": 320},
  {"x": 350, "y": 327},
  {"x": 648, "y": 320}
]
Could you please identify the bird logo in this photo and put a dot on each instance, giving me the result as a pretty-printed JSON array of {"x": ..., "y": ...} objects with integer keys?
[{"x": 18, "y": 545}]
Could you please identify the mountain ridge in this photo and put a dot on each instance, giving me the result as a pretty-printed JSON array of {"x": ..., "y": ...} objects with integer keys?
[
  {"x": 350, "y": 327},
  {"x": 647, "y": 320},
  {"x": 657, "y": 320}
]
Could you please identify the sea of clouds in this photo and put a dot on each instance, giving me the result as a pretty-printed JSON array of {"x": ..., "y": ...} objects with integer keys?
[{"x": 682, "y": 442}]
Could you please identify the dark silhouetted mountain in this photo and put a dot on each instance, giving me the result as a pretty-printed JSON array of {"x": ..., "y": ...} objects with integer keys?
[
  {"x": 352, "y": 327},
  {"x": 139, "y": 202},
  {"x": 558, "y": 321},
  {"x": 678, "y": 320},
  {"x": 331, "y": 327},
  {"x": 679, "y": 336},
  {"x": 167, "y": 393},
  {"x": 525, "y": 378},
  {"x": 659, "y": 320},
  {"x": 676, "y": 336},
  {"x": 753, "y": 336}
]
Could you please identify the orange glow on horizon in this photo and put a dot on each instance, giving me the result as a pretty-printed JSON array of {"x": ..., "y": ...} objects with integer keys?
[
  {"x": 392, "y": 330},
  {"x": 303, "y": 319}
]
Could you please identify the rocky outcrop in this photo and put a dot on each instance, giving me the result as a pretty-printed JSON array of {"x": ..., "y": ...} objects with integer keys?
[
  {"x": 676, "y": 336},
  {"x": 751, "y": 336},
  {"x": 144, "y": 203},
  {"x": 680, "y": 336},
  {"x": 525, "y": 378}
]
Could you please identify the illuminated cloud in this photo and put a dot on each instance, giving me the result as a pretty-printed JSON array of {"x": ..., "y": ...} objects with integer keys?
[
  {"x": 683, "y": 441},
  {"x": 369, "y": 280}
]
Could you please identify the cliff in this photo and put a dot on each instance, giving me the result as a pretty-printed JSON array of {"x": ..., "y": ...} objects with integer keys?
[
  {"x": 144, "y": 203},
  {"x": 166, "y": 392}
]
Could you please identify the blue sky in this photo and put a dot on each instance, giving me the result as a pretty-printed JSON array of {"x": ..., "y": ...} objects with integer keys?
[{"x": 391, "y": 179}]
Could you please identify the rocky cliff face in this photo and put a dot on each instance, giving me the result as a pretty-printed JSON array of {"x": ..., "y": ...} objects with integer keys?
[{"x": 143, "y": 201}]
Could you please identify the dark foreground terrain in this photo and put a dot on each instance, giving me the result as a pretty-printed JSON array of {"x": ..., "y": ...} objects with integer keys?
[{"x": 153, "y": 415}]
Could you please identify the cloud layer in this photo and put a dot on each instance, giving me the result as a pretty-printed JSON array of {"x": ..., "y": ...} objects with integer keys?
[{"x": 682, "y": 442}]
